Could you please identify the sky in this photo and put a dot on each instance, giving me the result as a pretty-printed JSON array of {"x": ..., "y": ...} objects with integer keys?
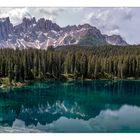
[{"x": 124, "y": 21}]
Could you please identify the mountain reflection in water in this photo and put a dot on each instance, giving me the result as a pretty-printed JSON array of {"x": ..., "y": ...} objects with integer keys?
[{"x": 76, "y": 106}]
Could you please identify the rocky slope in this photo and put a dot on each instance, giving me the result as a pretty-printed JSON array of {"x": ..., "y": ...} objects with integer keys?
[
  {"x": 43, "y": 33},
  {"x": 115, "y": 40}
]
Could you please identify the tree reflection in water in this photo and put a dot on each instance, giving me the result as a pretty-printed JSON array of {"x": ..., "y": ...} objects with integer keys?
[{"x": 41, "y": 104}]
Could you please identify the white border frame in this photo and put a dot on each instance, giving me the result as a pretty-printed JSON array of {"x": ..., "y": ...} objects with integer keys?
[{"x": 70, "y": 3}]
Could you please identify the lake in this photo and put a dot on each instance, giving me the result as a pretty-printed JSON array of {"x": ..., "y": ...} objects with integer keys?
[{"x": 71, "y": 106}]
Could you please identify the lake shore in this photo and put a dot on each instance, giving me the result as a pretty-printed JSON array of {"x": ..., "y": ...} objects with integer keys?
[{"x": 5, "y": 82}]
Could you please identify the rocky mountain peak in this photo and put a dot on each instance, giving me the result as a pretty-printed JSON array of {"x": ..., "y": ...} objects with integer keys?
[
  {"x": 70, "y": 28},
  {"x": 29, "y": 20},
  {"x": 6, "y": 19},
  {"x": 6, "y": 28},
  {"x": 86, "y": 25},
  {"x": 42, "y": 33},
  {"x": 115, "y": 40}
]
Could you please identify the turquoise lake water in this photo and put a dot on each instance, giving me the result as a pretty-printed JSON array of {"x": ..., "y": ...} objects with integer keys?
[{"x": 74, "y": 106}]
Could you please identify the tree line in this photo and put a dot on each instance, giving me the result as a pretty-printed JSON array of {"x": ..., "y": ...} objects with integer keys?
[{"x": 76, "y": 62}]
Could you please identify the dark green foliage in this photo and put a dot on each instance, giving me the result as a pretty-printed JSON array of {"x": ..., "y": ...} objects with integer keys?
[
  {"x": 92, "y": 40},
  {"x": 74, "y": 62}
]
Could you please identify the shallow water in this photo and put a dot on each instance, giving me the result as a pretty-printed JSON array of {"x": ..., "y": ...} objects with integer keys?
[{"x": 75, "y": 106}]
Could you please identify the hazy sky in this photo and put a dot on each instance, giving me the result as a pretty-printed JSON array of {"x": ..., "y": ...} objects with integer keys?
[{"x": 123, "y": 21}]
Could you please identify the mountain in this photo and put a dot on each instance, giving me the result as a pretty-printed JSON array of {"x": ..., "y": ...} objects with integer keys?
[
  {"x": 43, "y": 33},
  {"x": 115, "y": 40}
]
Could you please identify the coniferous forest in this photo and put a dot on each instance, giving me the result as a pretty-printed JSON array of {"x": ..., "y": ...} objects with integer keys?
[{"x": 74, "y": 62}]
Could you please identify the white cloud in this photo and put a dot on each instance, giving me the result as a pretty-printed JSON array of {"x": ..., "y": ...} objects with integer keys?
[
  {"x": 108, "y": 19},
  {"x": 17, "y": 14},
  {"x": 123, "y": 21},
  {"x": 107, "y": 121}
]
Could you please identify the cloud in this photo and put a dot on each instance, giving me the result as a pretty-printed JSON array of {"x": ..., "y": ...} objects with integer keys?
[
  {"x": 48, "y": 11},
  {"x": 108, "y": 19},
  {"x": 17, "y": 14},
  {"x": 122, "y": 21},
  {"x": 107, "y": 121},
  {"x": 128, "y": 16}
]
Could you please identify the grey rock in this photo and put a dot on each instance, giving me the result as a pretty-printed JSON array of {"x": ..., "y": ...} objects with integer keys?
[
  {"x": 116, "y": 40},
  {"x": 43, "y": 33}
]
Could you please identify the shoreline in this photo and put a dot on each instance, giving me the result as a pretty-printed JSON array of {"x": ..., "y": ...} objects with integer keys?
[
  {"x": 20, "y": 84},
  {"x": 5, "y": 83}
]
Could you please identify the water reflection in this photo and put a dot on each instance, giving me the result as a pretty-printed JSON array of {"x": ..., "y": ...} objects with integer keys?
[{"x": 76, "y": 106}]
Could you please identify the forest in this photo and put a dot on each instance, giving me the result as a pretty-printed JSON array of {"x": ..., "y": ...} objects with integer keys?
[{"x": 70, "y": 62}]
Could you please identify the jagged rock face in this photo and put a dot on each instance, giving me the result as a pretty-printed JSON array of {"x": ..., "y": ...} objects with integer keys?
[
  {"x": 43, "y": 33},
  {"x": 115, "y": 40},
  {"x": 92, "y": 36},
  {"x": 6, "y": 28}
]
